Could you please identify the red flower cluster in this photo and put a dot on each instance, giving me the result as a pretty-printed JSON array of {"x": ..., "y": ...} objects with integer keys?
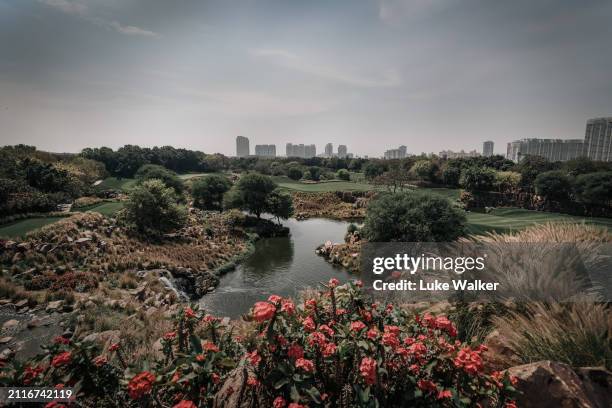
[
  {"x": 263, "y": 311},
  {"x": 367, "y": 369},
  {"x": 469, "y": 360},
  {"x": 141, "y": 385},
  {"x": 62, "y": 359}
]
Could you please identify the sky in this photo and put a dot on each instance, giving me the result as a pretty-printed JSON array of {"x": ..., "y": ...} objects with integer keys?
[{"x": 371, "y": 74}]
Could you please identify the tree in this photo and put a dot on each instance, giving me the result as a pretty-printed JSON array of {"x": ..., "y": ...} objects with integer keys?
[
  {"x": 250, "y": 194},
  {"x": 594, "y": 188},
  {"x": 424, "y": 170},
  {"x": 314, "y": 173},
  {"x": 343, "y": 174},
  {"x": 477, "y": 179},
  {"x": 154, "y": 171},
  {"x": 507, "y": 181},
  {"x": 372, "y": 170},
  {"x": 413, "y": 217},
  {"x": 530, "y": 167},
  {"x": 554, "y": 184},
  {"x": 450, "y": 175},
  {"x": 152, "y": 209},
  {"x": 294, "y": 173},
  {"x": 207, "y": 192},
  {"x": 280, "y": 205}
]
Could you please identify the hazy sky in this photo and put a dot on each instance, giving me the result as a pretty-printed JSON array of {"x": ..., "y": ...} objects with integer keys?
[{"x": 372, "y": 74}]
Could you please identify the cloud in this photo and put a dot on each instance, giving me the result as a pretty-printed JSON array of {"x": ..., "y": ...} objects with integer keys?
[
  {"x": 75, "y": 8},
  {"x": 394, "y": 11},
  {"x": 389, "y": 78}
]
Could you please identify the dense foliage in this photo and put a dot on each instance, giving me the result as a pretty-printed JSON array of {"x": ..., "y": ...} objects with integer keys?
[
  {"x": 154, "y": 171},
  {"x": 207, "y": 192},
  {"x": 477, "y": 178},
  {"x": 336, "y": 349},
  {"x": 412, "y": 217}
]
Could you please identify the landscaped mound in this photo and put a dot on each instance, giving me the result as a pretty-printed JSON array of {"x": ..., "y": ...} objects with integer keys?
[{"x": 335, "y": 349}]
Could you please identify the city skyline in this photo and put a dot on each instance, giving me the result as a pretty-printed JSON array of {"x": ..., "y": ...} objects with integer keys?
[{"x": 432, "y": 75}]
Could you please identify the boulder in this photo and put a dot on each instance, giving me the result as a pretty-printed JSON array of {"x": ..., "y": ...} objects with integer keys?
[
  {"x": 54, "y": 306},
  {"x": 498, "y": 356},
  {"x": 9, "y": 324},
  {"x": 235, "y": 393},
  {"x": 102, "y": 338},
  {"x": 548, "y": 384}
]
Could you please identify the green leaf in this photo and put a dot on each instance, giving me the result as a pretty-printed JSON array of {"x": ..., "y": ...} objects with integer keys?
[
  {"x": 280, "y": 383},
  {"x": 196, "y": 345}
]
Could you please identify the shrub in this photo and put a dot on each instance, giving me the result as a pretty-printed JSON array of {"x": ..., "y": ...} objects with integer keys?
[
  {"x": 294, "y": 173},
  {"x": 554, "y": 184},
  {"x": 594, "y": 188},
  {"x": 207, "y": 192},
  {"x": 343, "y": 174},
  {"x": 477, "y": 179},
  {"x": 413, "y": 217},
  {"x": 168, "y": 177},
  {"x": 151, "y": 209}
]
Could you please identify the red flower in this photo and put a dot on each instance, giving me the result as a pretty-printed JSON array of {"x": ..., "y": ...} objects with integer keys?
[
  {"x": 170, "y": 335},
  {"x": 359, "y": 283},
  {"x": 189, "y": 313},
  {"x": 417, "y": 349},
  {"x": 427, "y": 385},
  {"x": 443, "y": 323},
  {"x": 295, "y": 351},
  {"x": 141, "y": 385},
  {"x": 469, "y": 360},
  {"x": 390, "y": 339},
  {"x": 340, "y": 312},
  {"x": 304, "y": 364},
  {"x": 288, "y": 307},
  {"x": 510, "y": 404},
  {"x": 372, "y": 334},
  {"x": 215, "y": 378},
  {"x": 317, "y": 339},
  {"x": 254, "y": 358},
  {"x": 367, "y": 368},
  {"x": 200, "y": 357},
  {"x": 279, "y": 402},
  {"x": 275, "y": 299},
  {"x": 100, "y": 361},
  {"x": 114, "y": 347},
  {"x": 185, "y": 404},
  {"x": 253, "y": 382},
  {"x": 263, "y": 311},
  {"x": 209, "y": 319},
  {"x": 333, "y": 282},
  {"x": 61, "y": 340},
  {"x": 62, "y": 359},
  {"x": 309, "y": 324},
  {"x": 310, "y": 304},
  {"x": 327, "y": 330},
  {"x": 210, "y": 346},
  {"x": 30, "y": 374},
  {"x": 329, "y": 349},
  {"x": 395, "y": 330},
  {"x": 444, "y": 394},
  {"x": 357, "y": 326}
]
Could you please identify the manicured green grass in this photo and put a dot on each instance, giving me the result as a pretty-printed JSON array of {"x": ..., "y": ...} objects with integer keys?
[
  {"x": 324, "y": 186},
  {"x": 450, "y": 193},
  {"x": 20, "y": 228},
  {"x": 113, "y": 183},
  {"x": 108, "y": 209},
  {"x": 512, "y": 219}
]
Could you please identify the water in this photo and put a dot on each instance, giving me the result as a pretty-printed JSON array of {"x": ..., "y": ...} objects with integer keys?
[{"x": 281, "y": 266}]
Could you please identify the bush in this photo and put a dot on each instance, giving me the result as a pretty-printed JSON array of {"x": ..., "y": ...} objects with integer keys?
[
  {"x": 554, "y": 184},
  {"x": 207, "y": 192},
  {"x": 343, "y": 174},
  {"x": 168, "y": 177},
  {"x": 250, "y": 194},
  {"x": 314, "y": 173},
  {"x": 413, "y": 217},
  {"x": 594, "y": 188},
  {"x": 151, "y": 209},
  {"x": 294, "y": 173},
  {"x": 477, "y": 179},
  {"x": 336, "y": 346}
]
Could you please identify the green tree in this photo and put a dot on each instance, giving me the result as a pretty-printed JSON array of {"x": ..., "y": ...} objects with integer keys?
[
  {"x": 451, "y": 175},
  {"x": 154, "y": 171},
  {"x": 372, "y": 170},
  {"x": 314, "y": 173},
  {"x": 343, "y": 174},
  {"x": 207, "y": 192},
  {"x": 530, "y": 167},
  {"x": 594, "y": 188},
  {"x": 554, "y": 184},
  {"x": 413, "y": 217},
  {"x": 294, "y": 173},
  {"x": 152, "y": 209},
  {"x": 507, "y": 181},
  {"x": 477, "y": 179},
  {"x": 280, "y": 205},
  {"x": 250, "y": 194},
  {"x": 424, "y": 170}
]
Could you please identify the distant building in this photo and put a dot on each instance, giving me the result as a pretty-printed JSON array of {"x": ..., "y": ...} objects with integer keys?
[
  {"x": 550, "y": 149},
  {"x": 399, "y": 153},
  {"x": 487, "y": 148},
  {"x": 265, "y": 150},
  {"x": 289, "y": 149},
  {"x": 242, "y": 146},
  {"x": 300, "y": 150},
  {"x": 449, "y": 154},
  {"x": 329, "y": 150},
  {"x": 598, "y": 139},
  {"x": 310, "y": 151},
  {"x": 342, "y": 151}
]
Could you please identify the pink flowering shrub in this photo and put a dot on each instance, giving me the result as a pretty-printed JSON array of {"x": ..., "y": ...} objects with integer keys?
[{"x": 337, "y": 349}]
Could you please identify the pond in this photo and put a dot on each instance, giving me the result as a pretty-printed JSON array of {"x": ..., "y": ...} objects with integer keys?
[{"x": 281, "y": 266}]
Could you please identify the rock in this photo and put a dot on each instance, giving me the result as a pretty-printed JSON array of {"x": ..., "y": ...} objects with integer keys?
[
  {"x": 498, "y": 356},
  {"x": 9, "y": 324},
  {"x": 108, "y": 336},
  {"x": 5, "y": 340},
  {"x": 54, "y": 306},
  {"x": 21, "y": 303},
  {"x": 234, "y": 392},
  {"x": 548, "y": 384},
  {"x": 83, "y": 240},
  {"x": 139, "y": 292},
  {"x": 597, "y": 382},
  {"x": 6, "y": 354}
]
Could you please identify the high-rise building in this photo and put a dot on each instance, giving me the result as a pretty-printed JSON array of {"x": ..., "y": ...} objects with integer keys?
[
  {"x": 265, "y": 150},
  {"x": 399, "y": 153},
  {"x": 487, "y": 148},
  {"x": 310, "y": 151},
  {"x": 289, "y": 149},
  {"x": 342, "y": 151},
  {"x": 449, "y": 154},
  {"x": 598, "y": 139},
  {"x": 242, "y": 146},
  {"x": 303, "y": 151},
  {"x": 329, "y": 150},
  {"x": 550, "y": 149}
]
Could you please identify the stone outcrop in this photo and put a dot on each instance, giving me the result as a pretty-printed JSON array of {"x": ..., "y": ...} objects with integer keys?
[{"x": 548, "y": 384}]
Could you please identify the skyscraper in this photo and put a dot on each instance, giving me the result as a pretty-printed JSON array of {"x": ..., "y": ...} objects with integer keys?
[
  {"x": 598, "y": 139},
  {"x": 265, "y": 150},
  {"x": 342, "y": 151},
  {"x": 289, "y": 149},
  {"x": 311, "y": 151},
  {"x": 242, "y": 146},
  {"x": 329, "y": 150},
  {"x": 550, "y": 149},
  {"x": 487, "y": 148}
]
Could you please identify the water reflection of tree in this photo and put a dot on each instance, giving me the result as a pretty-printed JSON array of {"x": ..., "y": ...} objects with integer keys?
[{"x": 270, "y": 255}]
